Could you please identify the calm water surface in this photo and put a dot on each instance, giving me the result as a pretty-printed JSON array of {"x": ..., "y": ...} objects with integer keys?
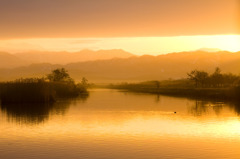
[{"x": 114, "y": 124}]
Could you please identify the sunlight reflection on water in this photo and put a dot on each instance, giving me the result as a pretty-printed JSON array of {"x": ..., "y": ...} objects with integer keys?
[{"x": 113, "y": 124}]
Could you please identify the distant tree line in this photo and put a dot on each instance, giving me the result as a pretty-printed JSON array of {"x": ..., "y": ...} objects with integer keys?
[
  {"x": 215, "y": 80},
  {"x": 200, "y": 85}
]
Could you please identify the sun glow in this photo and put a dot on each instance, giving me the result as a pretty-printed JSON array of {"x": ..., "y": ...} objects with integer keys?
[{"x": 136, "y": 45}]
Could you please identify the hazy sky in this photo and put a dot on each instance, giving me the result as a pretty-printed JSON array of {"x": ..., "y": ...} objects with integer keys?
[
  {"x": 53, "y": 19},
  {"x": 103, "y": 18},
  {"x": 136, "y": 45}
]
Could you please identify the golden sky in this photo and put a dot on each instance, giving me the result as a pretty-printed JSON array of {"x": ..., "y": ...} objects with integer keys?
[
  {"x": 135, "y": 45},
  {"x": 114, "y": 18},
  {"x": 111, "y": 20}
]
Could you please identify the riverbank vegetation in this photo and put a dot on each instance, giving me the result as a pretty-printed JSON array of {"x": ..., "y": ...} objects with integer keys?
[
  {"x": 57, "y": 84},
  {"x": 197, "y": 84}
]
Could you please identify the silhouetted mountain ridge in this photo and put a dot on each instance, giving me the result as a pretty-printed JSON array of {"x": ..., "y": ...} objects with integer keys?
[
  {"x": 174, "y": 65},
  {"x": 9, "y": 61},
  {"x": 66, "y": 57}
]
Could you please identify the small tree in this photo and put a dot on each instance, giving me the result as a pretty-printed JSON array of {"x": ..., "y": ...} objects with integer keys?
[
  {"x": 84, "y": 82},
  {"x": 217, "y": 78},
  {"x": 199, "y": 77},
  {"x": 59, "y": 75},
  {"x": 193, "y": 76}
]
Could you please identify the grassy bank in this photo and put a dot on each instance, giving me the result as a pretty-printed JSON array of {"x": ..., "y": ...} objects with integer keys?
[
  {"x": 38, "y": 91},
  {"x": 181, "y": 89},
  {"x": 198, "y": 84},
  {"x": 27, "y": 92},
  {"x": 57, "y": 84}
]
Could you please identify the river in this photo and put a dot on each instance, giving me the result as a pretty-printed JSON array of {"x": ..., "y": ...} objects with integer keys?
[{"x": 116, "y": 124}]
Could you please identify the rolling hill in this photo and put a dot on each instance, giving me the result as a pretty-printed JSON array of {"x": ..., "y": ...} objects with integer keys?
[
  {"x": 67, "y": 57},
  {"x": 10, "y": 61},
  {"x": 174, "y": 65}
]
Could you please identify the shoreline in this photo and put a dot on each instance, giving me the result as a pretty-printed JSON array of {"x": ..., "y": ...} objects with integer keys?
[{"x": 224, "y": 94}]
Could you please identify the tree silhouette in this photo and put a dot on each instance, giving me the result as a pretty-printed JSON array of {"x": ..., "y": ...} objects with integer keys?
[
  {"x": 59, "y": 75},
  {"x": 84, "y": 82},
  {"x": 199, "y": 77},
  {"x": 217, "y": 78}
]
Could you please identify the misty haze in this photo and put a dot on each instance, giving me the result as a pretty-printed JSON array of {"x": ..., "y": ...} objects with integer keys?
[{"x": 142, "y": 79}]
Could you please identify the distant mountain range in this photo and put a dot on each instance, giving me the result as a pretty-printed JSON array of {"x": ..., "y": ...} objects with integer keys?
[
  {"x": 23, "y": 59},
  {"x": 210, "y": 49},
  {"x": 134, "y": 68},
  {"x": 9, "y": 61}
]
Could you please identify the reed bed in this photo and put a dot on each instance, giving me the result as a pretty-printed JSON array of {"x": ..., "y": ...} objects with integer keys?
[{"x": 38, "y": 91}]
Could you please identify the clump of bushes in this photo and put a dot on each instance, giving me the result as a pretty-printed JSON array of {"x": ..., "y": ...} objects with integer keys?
[
  {"x": 214, "y": 80},
  {"x": 57, "y": 84},
  {"x": 64, "y": 86},
  {"x": 65, "y": 90}
]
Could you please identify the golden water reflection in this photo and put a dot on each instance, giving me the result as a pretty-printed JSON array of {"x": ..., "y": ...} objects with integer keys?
[
  {"x": 37, "y": 113},
  {"x": 113, "y": 124}
]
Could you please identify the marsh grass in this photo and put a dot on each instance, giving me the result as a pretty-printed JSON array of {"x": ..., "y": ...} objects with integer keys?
[
  {"x": 38, "y": 91},
  {"x": 26, "y": 92}
]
